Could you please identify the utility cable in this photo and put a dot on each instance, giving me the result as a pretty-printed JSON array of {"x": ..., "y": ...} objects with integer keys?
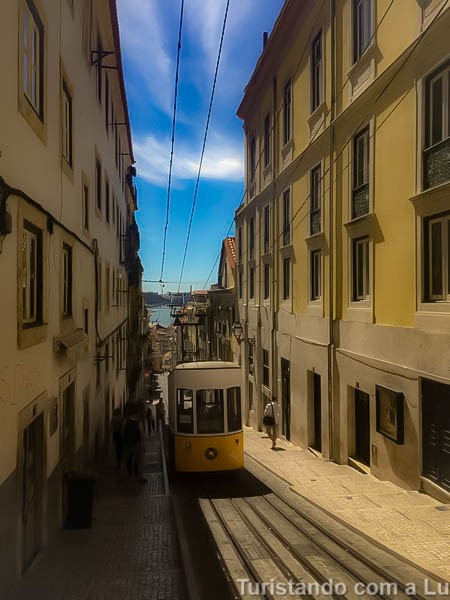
[
  {"x": 173, "y": 140},
  {"x": 204, "y": 143}
]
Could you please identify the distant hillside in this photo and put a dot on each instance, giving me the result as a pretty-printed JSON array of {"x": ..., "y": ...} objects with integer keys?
[{"x": 152, "y": 298}]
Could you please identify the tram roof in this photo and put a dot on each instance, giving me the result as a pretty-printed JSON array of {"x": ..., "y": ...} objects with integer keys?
[{"x": 208, "y": 364}]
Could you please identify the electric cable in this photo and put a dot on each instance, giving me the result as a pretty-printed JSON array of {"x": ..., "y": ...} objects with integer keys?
[
  {"x": 204, "y": 143},
  {"x": 169, "y": 184}
]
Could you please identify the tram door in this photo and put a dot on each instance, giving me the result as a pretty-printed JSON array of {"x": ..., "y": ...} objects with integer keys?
[
  {"x": 286, "y": 397},
  {"x": 32, "y": 470},
  {"x": 362, "y": 427}
]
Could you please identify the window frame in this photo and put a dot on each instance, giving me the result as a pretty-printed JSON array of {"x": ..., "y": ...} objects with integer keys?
[
  {"x": 35, "y": 65},
  {"x": 267, "y": 139},
  {"x": 266, "y": 281},
  {"x": 315, "y": 198},
  {"x": 287, "y": 112},
  {"x": 266, "y": 368},
  {"x": 252, "y": 159},
  {"x": 428, "y": 288},
  {"x": 266, "y": 229},
  {"x": 251, "y": 238},
  {"x": 362, "y": 31},
  {"x": 358, "y": 184},
  {"x": 67, "y": 281},
  {"x": 251, "y": 282},
  {"x": 287, "y": 278},
  {"x": 315, "y": 277},
  {"x": 286, "y": 208},
  {"x": 316, "y": 63},
  {"x": 66, "y": 123},
  {"x": 356, "y": 296},
  {"x": 32, "y": 289}
]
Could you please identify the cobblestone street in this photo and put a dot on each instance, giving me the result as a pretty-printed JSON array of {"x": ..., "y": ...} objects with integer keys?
[{"x": 130, "y": 553}]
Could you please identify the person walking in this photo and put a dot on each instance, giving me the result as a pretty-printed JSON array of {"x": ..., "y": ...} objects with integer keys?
[
  {"x": 116, "y": 432},
  {"x": 150, "y": 418},
  {"x": 133, "y": 441},
  {"x": 161, "y": 413},
  {"x": 271, "y": 420}
]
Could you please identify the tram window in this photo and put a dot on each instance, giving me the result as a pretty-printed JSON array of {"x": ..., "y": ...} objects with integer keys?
[
  {"x": 210, "y": 411},
  {"x": 234, "y": 409},
  {"x": 185, "y": 420}
]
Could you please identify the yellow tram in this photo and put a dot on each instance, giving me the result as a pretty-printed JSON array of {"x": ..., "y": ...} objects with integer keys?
[{"x": 205, "y": 416}]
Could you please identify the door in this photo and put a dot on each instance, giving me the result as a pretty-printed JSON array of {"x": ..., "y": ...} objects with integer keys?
[
  {"x": 317, "y": 413},
  {"x": 67, "y": 439},
  {"x": 250, "y": 401},
  {"x": 86, "y": 427},
  {"x": 32, "y": 447},
  {"x": 436, "y": 432},
  {"x": 286, "y": 397},
  {"x": 362, "y": 427}
]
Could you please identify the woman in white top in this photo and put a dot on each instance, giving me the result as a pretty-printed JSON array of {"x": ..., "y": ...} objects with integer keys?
[{"x": 272, "y": 410}]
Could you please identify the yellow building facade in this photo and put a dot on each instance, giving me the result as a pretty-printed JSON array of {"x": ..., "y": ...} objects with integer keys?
[
  {"x": 343, "y": 236},
  {"x": 66, "y": 206}
]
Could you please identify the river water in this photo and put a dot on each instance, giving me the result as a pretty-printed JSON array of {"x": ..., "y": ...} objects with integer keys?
[{"x": 161, "y": 315}]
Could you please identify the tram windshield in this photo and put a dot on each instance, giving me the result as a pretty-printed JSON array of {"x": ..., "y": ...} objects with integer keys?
[
  {"x": 234, "y": 409},
  {"x": 210, "y": 411},
  {"x": 185, "y": 421}
]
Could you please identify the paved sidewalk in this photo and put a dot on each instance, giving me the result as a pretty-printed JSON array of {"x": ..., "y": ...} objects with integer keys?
[
  {"x": 130, "y": 553},
  {"x": 411, "y": 524}
]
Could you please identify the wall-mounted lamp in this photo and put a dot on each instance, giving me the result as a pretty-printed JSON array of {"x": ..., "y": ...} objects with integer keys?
[{"x": 238, "y": 331}]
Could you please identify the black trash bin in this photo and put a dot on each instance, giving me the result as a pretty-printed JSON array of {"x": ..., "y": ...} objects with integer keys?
[{"x": 80, "y": 498}]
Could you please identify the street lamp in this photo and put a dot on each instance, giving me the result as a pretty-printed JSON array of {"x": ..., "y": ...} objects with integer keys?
[{"x": 238, "y": 331}]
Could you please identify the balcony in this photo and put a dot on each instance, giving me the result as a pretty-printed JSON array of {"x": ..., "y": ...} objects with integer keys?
[{"x": 436, "y": 164}]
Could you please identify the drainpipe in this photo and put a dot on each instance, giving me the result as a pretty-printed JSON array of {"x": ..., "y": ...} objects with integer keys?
[
  {"x": 274, "y": 296},
  {"x": 331, "y": 307}
]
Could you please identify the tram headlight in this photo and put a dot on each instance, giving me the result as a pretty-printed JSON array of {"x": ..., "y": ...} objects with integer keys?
[{"x": 211, "y": 453}]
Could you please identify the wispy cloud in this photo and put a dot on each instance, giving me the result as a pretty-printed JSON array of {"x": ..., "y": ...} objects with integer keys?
[
  {"x": 147, "y": 48},
  {"x": 222, "y": 160}
]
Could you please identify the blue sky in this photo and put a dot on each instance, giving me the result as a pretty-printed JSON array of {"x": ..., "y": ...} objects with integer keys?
[{"x": 149, "y": 33}]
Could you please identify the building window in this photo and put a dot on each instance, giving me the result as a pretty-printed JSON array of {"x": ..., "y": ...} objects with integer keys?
[
  {"x": 107, "y": 103},
  {"x": 286, "y": 217},
  {"x": 251, "y": 238},
  {"x": 286, "y": 278},
  {"x": 266, "y": 229},
  {"x": 436, "y": 161},
  {"x": 85, "y": 206},
  {"x": 287, "y": 112},
  {"x": 251, "y": 276},
  {"x": 437, "y": 258},
  {"x": 31, "y": 275},
  {"x": 240, "y": 282},
  {"x": 316, "y": 275},
  {"x": 98, "y": 184},
  {"x": 240, "y": 245},
  {"x": 251, "y": 360},
  {"x": 266, "y": 368},
  {"x": 107, "y": 207},
  {"x": 267, "y": 140},
  {"x": 316, "y": 73},
  {"x": 361, "y": 159},
  {"x": 315, "y": 223},
  {"x": 266, "y": 281},
  {"x": 362, "y": 27},
  {"x": 360, "y": 269},
  {"x": 252, "y": 159},
  {"x": 86, "y": 320},
  {"x": 33, "y": 58},
  {"x": 99, "y": 68},
  {"x": 67, "y": 124},
  {"x": 67, "y": 280}
]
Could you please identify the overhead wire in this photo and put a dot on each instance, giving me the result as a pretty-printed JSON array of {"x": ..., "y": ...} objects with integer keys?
[
  {"x": 204, "y": 143},
  {"x": 169, "y": 184}
]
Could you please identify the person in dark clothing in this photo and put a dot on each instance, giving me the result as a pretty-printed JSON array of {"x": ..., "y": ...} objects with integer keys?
[
  {"x": 149, "y": 415},
  {"x": 133, "y": 440},
  {"x": 116, "y": 431}
]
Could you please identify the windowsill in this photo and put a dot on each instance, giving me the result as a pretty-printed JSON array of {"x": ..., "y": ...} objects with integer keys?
[
  {"x": 367, "y": 218},
  {"x": 316, "y": 119},
  {"x": 362, "y": 72},
  {"x": 67, "y": 168},
  {"x": 287, "y": 151},
  {"x": 267, "y": 171},
  {"x": 432, "y": 200},
  {"x": 315, "y": 241},
  {"x": 361, "y": 312},
  {"x": 287, "y": 251},
  {"x": 31, "y": 334},
  {"x": 266, "y": 257}
]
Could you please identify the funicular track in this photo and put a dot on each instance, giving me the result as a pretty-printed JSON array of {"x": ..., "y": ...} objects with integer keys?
[{"x": 267, "y": 539}]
